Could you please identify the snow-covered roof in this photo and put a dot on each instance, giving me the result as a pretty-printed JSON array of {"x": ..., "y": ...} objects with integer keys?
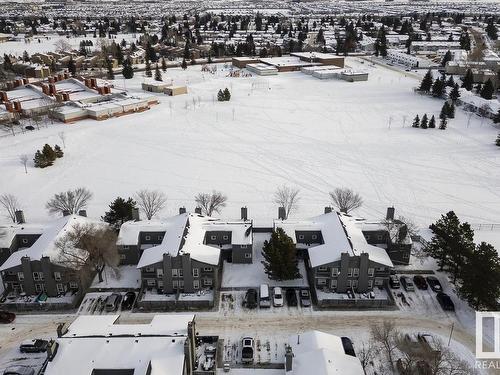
[
  {"x": 44, "y": 246},
  {"x": 10, "y": 231},
  {"x": 320, "y": 353},
  {"x": 192, "y": 229},
  {"x": 156, "y": 348},
  {"x": 130, "y": 230},
  {"x": 340, "y": 235}
]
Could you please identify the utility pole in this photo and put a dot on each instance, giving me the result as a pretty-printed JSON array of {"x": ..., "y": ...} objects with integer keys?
[{"x": 451, "y": 333}]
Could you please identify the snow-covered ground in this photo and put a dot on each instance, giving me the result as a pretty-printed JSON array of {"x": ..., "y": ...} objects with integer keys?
[
  {"x": 291, "y": 128},
  {"x": 127, "y": 277}
]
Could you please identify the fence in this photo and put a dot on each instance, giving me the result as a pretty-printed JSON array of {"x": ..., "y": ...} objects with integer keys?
[{"x": 486, "y": 226}]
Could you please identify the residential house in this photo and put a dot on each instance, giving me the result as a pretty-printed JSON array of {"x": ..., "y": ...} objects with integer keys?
[{"x": 14, "y": 237}]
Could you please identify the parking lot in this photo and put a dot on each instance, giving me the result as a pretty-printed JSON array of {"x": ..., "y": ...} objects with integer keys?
[
  {"x": 95, "y": 304},
  {"x": 15, "y": 358}
]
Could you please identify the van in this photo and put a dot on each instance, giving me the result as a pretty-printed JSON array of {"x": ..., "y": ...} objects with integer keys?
[
  {"x": 112, "y": 302},
  {"x": 264, "y": 299}
]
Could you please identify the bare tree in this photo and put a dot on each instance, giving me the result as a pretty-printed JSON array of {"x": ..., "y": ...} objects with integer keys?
[
  {"x": 150, "y": 201},
  {"x": 71, "y": 201},
  {"x": 24, "y": 161},
  {"x": 399, "y": 229},
  {"x": 62, "y": 45},
  {"x": 10, "y": 204},
  {"x": 386, "y": 336},
  {"x": 210, "y": 202},
  {"x": 89, "y": 248},
  {"x": 288, "y": 198},
  {"x": 62, "y": 137},
  {"x": 345, "y": 199},
  {"x": 366, "y": 353}
]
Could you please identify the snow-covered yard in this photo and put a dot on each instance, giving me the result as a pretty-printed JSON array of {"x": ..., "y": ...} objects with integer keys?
[
  {"x": 290, "y": 128},
  {"x": 128, "y": 277}
]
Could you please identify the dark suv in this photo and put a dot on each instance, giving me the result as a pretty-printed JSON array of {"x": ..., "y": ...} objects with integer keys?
[
  {"x": 250, "y": 300},
  {"x": 445, "y": 301},
  {"x": 34, "y": 346}
]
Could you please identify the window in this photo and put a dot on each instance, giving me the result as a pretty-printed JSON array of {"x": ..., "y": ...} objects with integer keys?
[
  {"x": 243, "y": 246},
  {"x": 371, "y": 272},
  {"x": 207, "y": 282},
  {"x": 174, "y": 272},
  {"x": 25, "y": 241},
  {"x": 381, "y": 269},
  {"x": 322, "y": 268},
  {"x": 73, "y": 285},
  {"x": 355, "y": 284},
  {"x": 60, "y": 288},
  {"x": 213, "y": 238},
  {"x": 123, "y": 257},
  {"x": 20, "y": 276},
  {"x": 321, "y": 281},
  {"x": 196, "y": 272},
  {"x": 150, "y": 269},
  {"x": 333, "y": 284},
  {"x": 406, "y": 256},
  {"x": 367, "y": 236},
  {"x": 370, "y": 284},
  {"x": 355, "y": 272},
  {"x": 181, "y": 284},
  {"x": 159, "y": 272},
  {"x": 335, "y": 271},
  {"x": 151, "y": 282},
  {"x": 160, "y": 284},
  {"x": 380, "y": 237},
  {"x": 314, "y": 237},
  {"x": 148, "y": 238},
  {"x": 41, "y": 276},
  {"x": 36, "y": 276},
  {"x": 349, "y": 272},
  {"x": 225, "y": 237},
  {"x": 180, "y": 271},
  {"x": 38, "y": 288},
  {"x": 57, "y": 276},
  {"x": 349, "y": 283},
  {"x": 301, "y": 236},
  {"x": 160, "y": 238},
  {"x": 196, "y": 284},
  {"x": 125, "y": 247},
  {"x": 175, "y": 284},
  {"x": 207, "y": 269},
  {"x": 248, "y": 255},
  {"x": 379, "y": 282}
]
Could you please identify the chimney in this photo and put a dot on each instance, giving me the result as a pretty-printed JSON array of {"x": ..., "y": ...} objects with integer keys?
[
  {"x": 45, "y": 89},
  {"x": 62, "y": 329},
  {"x": 288, "y": 359},
  {"x": 182, "y": 210},
  {"x": 66, "y": 75},
  {"x": 93, "y": 82},
  {"x": 197, "y": 210},
  {"x": 244, "y": 213},
  {"x": 3, "y": 96},
  {"x": 51, "y": 79},
  {"x": 135, "y": 214},
  {"x": 17, "y": 106},
  {"x": 9, "y": 107},
  {"x": 390, "y": 213},
  {"x": 65, "y": 96},
  {"x": 66, "y": 213},
  {"x": 82, "y": 213},
  {"x": 59, "y": 98},
  {"x": 52, "y": 89},
  {"x": 87, "y": 82},
  {"x": 60, "y": 77},
  {"x": 25, "y": 81},
  {"x": 281, "y": 213},
  {"x": 328, "y": 210},
  {"x": 20, "y": 217}
]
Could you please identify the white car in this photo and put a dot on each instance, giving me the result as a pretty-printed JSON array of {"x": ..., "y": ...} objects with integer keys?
[{"x": 277, "y": 297}]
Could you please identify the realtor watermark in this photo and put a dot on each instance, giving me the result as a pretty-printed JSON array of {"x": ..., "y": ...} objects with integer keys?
[{"x": 488, "y": 324}]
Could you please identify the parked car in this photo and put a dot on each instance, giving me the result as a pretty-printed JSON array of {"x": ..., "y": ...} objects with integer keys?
[
  {"x": 420, "y": 282},
  {"x": 209, "y": 358},
  {"x": 445, "y": 301},
  {"x": 247, "y": 350},
  {"x": 265, "y": 298},
  {"x": 112, "y": 302},
  {"x": 34, "y": 346},
  {"x": 277, "y": 297},
  {"x": 305, "y": 298},
  {"x": 394, "y": 282},
  {"x": 407, "y": 284},
  {"x": 429, "y": 342},
  {"x": 250, "y": 300},
  {"x": 291, "y": 297},
  {"x": 19, "y": 370},
  {"x": 29, "y": 127},
  {"x": 434, "y": 283},
  {"x": 128, "y": 301},
  {"x": 6, "y": 317},
  {"x": 348, "y": 347}
]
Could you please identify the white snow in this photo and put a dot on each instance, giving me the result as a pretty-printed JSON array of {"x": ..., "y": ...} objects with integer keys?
[{"x": 128, "y": 276}]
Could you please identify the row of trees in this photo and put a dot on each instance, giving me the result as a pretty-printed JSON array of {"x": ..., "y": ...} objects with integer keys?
[
  {"x": 475, "y": 268},
  {"x": 224, "y": 95},
  {"x": 46, "y": 156}
]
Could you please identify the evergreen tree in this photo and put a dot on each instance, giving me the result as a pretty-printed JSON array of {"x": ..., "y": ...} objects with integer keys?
[
  {"x": 127, "y": 71},
  {"x": 455, "y": 92},
  {"x": 447, "y": 57},
  {"x": 497, "y": 142},
  {"x": 184, "y": 64},
  {"x": 492, "y": 30},
  {"x": 72, "y": 66},
  {"x": 220, "y": 96},
  {"x": 480, "y": 278},
  {"x": 443, "y": 123},
  {"x": 438, "y": 88},
  {"x": 488, "y": 90},
  {"x": 416, "y": 122},
  {"x": 427, "y": 81},
  {"x": 280, "y": 257},
  {"x": 39, "y": 160},
  {"x": 163, "y": 64},
  {"x": 120, "y": 211},
  {"x": 450, "y": 82},
  {"x": 451, "y": 111},
  {"x": 148, "y": 69},
  {"x": 468, "y": 80},
  {"x": 444, "y": 111},
  {"x": 111, "y": 74},
  {"x": 158, "y": 74},
  {"x": 227, "y": 95},
  {"x": 451, "y": 244},
  {"x": 58, "y": 151},
  {"x": 432, "y": 122},
  {"x": 49, "y": 154},
  {"x": 424, "y": 122}
]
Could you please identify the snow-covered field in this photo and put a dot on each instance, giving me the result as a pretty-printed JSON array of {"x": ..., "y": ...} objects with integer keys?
[{"x": 287, "y": 129}]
